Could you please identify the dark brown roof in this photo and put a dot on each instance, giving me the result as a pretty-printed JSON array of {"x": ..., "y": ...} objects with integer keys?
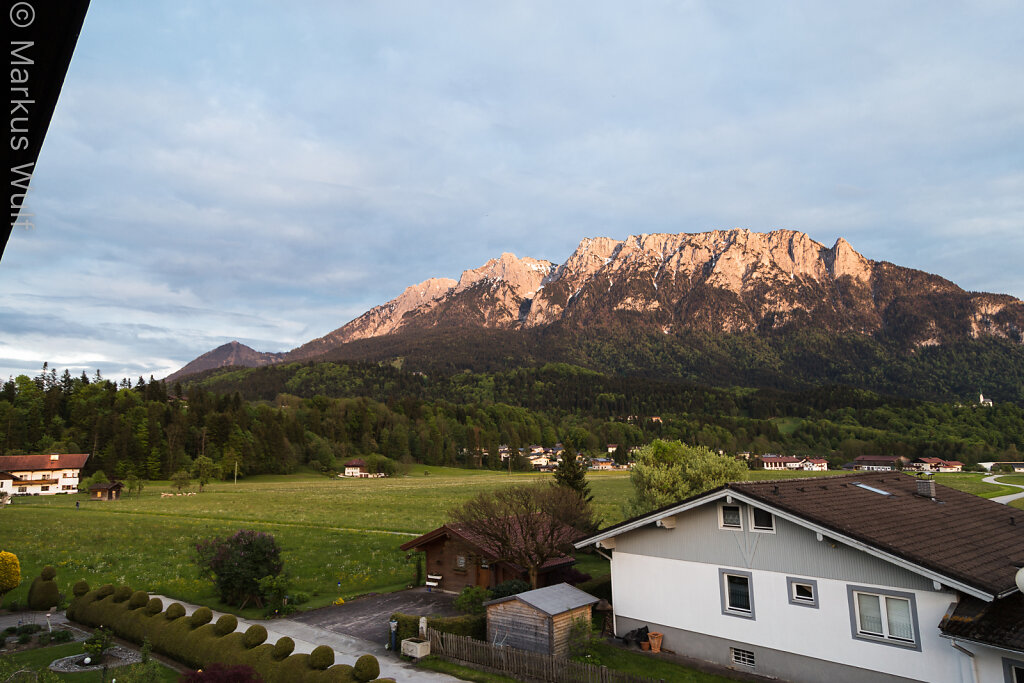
[
  {"x": 106, "y": 486},
  {"x": 25, "y": 463},
  {"x": 482, "y": 545},
  {"x": 356, "y": 462},
  {"x": 877, "y": 458},
  {"x": 962, "y": 537},
  {"x": 999, "y": 623},
  {"x": 959, "y": 535}
]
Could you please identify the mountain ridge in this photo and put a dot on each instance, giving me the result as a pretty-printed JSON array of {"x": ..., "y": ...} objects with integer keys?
[{"x": 717, "y": 282}]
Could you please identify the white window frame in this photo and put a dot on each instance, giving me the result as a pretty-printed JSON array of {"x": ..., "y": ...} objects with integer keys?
[
  {"x": 723, "y": 588},
  {"x": 721, "y": 516},
  {"x": 1008, "y": 670},
  {"x": 792, "y": 582},
  {"x": 884, "y": 638},
  {"x": 753, "y": 525}
]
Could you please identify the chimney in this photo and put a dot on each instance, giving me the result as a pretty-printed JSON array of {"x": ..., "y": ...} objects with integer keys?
[{"x": 926, "y": 488}]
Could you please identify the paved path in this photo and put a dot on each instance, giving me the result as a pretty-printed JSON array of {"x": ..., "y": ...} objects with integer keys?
[
  {"x": 994, "y": 479},
  {"x": 346, "y": 648}
]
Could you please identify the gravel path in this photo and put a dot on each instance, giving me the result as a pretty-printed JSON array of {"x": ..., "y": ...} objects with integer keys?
[{"x": 994, "y": 479}]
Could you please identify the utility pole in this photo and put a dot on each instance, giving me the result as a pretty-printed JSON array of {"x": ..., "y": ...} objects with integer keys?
[{"x": 236, "y": 471}]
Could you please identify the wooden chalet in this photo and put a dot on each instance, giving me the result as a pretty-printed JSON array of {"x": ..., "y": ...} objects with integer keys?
[
  {"x": 110, "y": 490},
  {"x": 456, "y": 557}
]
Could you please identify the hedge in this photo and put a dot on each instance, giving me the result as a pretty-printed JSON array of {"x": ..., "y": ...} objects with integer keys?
[
  {"x": 600, "y": 588},
  {"x": 196, "y": 642},
  {"x": 472, "y": 625}
]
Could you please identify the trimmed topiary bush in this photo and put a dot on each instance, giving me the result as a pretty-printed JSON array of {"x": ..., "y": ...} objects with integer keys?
[
  {"x": 322, "y": 657},
  {"x": 284, "y": 647},
  {"x": 154, "y": 607},
  {"x": 366, "y": 669},
  {"x": 138, "y": 599},
  {"x": 43, "y": 593},
  {"x": 105, "y": 590},
  {"x": 80, "y": 588},
  {"x": 200, "y": 617},
  {"x": 226, "y": 624},
  {"x": 10, "y": 572},
  {"x": 122, "y": 593},
  {"x": 257, "y": 635},
  {"x": 175, "y": 611}
]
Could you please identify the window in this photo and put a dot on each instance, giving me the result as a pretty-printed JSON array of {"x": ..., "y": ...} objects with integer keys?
[
  {"x": 802, "y": 591},
  {"x": 1013, "y": 671},
  {"x": 729, "y": 517},
  {"x": 883, "y": 616},
  {"x": 46, "y": 488},
  {"x": 737, "y": 593},
  {"x": 22, "y": 489},
  {"x": 460, "y": 562},
  {"x": 742, "y": 657},
  {"x": 761, "y": 520}
]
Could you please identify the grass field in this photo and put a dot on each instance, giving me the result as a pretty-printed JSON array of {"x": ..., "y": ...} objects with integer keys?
[
  {"x": 339, "y": 537},
  {"x": 39, "y": 658}
]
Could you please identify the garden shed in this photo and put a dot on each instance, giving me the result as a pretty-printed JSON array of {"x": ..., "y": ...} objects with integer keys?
[
  {"x": 538, "y": 620},
  {"x": 110, "y": 490}
]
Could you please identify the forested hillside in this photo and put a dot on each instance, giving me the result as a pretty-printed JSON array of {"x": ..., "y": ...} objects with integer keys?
[{"x": 277, "y": 418}]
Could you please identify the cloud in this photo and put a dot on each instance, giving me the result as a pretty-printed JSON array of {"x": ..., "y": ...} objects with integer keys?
[{"x": 261, "y": 172}]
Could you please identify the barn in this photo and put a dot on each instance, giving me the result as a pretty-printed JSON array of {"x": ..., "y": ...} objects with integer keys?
[{"x": 538, "y": 620}]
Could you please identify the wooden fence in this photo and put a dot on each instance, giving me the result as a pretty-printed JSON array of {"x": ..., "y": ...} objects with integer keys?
[{"x": 525, "y": 665}]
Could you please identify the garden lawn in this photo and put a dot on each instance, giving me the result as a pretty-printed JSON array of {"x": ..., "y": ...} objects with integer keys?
[
  {"x": 971, "y": 482},
  {"x": 644, "y": 664},
  {"x": 41, "y": 657}
]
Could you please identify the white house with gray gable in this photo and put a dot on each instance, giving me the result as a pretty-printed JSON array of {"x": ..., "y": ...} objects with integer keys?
[{"x": 842, "y": 579}]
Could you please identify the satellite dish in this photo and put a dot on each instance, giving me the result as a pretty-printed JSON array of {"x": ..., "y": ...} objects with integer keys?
[{"x": 1020, "y": 579}]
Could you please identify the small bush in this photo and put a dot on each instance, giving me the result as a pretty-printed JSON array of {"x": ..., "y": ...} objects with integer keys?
[
  {"x": 300, "y": 598},
  {"x": 62, "y": 636},
  {"x": 366, "y": 669},
  {"x": 471, "y": 600},
  {"x": 122, "y": 593},
  {"x": 284, "y": 647},
  {"x": 154, "y": 607},
  {"x": 138, "y": 599},
  {"x": 80, "y": 588},
  {"x": 10, "y": 572},
  {"x": 201, "y": 616},
  {"x": 175, "y": 611},
  {"x": 28, "y": 628},
  {"x": 472, "y": 625},
  {"x": 44, "y": 639},
  {"x": 48, "y": 573},
  {"x": 10, "y": 630},
  {"x": 226, "y": 624},
  {"x": 321, "y": 657},
  {"x": 257, "y": 635},
  {"x": 24, "y": 638},
  {"x": 510, "y": 587}
]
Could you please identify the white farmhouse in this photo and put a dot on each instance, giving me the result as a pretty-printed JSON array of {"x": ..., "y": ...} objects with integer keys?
[
  {"x": 46, "y": 474},
  {"x": 873, "y": 576}
]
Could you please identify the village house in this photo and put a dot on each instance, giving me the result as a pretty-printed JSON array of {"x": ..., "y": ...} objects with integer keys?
[
  {"x": 814, "y": 465},
  {"x": 456, "y": 557},
  {"x": 873, "y": 576},
  {"x": 780, "y": 462},
  {"x": 879, "y": 463},
  {"x": 935, "y": 465},
  {"x": 42, "y": 475},
  {"x": 601, "y": 464}
]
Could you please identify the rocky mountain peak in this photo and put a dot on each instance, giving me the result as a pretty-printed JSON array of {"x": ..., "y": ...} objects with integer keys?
[{"x": 523, "y": 275}]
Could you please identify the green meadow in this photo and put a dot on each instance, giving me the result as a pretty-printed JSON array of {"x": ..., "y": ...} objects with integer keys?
[{"x": 339, "y": 537}]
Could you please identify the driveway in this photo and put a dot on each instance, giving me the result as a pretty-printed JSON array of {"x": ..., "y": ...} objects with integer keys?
[
  {"x": 994, "y": 479},
  {"x": 367, "y": 617}
]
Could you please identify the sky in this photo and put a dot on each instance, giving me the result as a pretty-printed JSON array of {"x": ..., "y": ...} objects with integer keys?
[{"x": 267, "y": 171}]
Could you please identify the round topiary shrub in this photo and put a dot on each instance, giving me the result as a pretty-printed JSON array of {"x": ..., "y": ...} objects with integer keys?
[
  {"x": 201, "y": 616},
  {"x": 154, "y": 607},
  {"x": 175, "y": 611},
  {"x": 321, "y": 658},
  {"x": 104, "y": 591},
  {"x": 256, "y": 635},
  {"x": 122, "y": 593},
  {"x": 43, "y": 592},
  {"x": 367, "y": 668},
  {"x": 138, "y": 599},
  {"x": 80, "y": 588},
  {"x": 284, "y": 646},
  {"x": 226, "y": 624}
]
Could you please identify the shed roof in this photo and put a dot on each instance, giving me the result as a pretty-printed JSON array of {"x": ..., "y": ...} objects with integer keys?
[
  {"x": 43, "y": 461},
  {"x": 106, "y": 486},
  {"x": 552, "y": 600}
]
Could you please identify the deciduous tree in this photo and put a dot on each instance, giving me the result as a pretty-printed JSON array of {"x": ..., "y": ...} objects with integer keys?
[{"x": 666, "y": 472}]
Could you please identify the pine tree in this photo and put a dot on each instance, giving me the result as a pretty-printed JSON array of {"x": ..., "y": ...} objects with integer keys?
[{"x": 572, "y": 474}]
